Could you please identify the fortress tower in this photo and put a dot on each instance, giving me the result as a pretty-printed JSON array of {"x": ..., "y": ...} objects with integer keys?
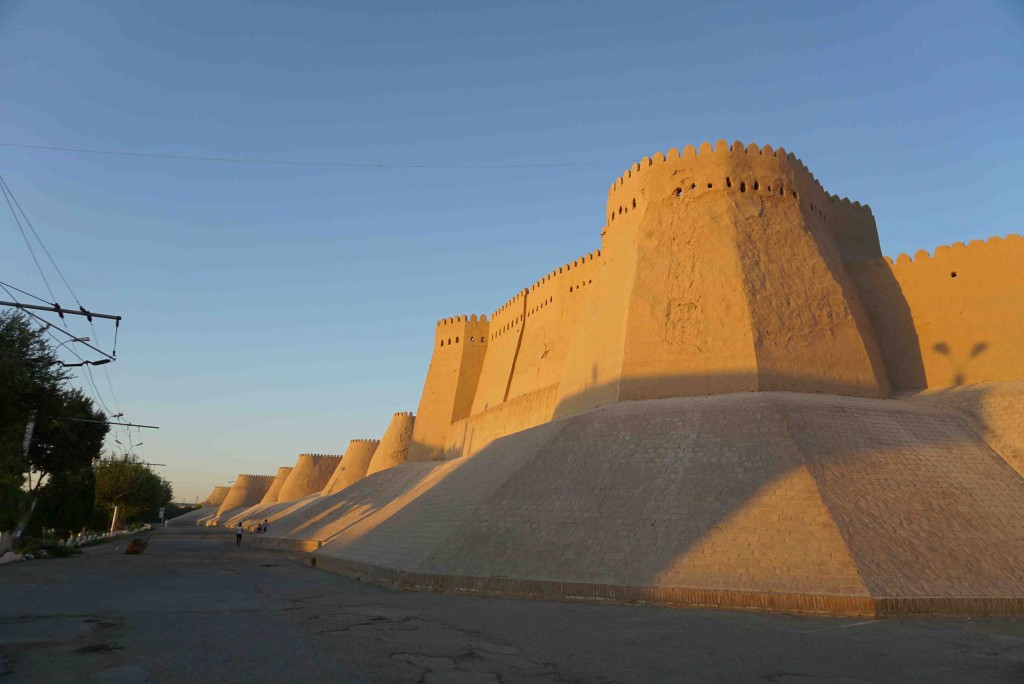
[
  {"x": 275, "y": 489},
  {"x": 353, "y": 465},
  {"x": 723, "y": 271},
  {"x": 394, "y": 445},
  {"x": 248, "y": 490},
  {"x": 308, "y": 476},
  {"x": 460, "y": 344},
  {"x": 216, "y": 497}
]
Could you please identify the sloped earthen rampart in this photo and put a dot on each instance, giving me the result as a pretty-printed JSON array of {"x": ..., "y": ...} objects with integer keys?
[
  {"x": 308, "y": 476},
  {"x": 806, "y": 503},
  {"x": 994, "y": 409},
  {"x": 353, "y": 466}
]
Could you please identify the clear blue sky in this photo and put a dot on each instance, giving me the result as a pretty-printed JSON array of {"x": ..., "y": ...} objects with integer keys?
[{"x": 270, "y": 310}]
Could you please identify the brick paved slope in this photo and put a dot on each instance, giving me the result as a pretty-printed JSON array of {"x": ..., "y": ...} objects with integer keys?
[{"x": 754, "y": 496}]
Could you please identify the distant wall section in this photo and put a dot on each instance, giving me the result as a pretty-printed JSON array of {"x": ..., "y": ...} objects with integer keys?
[{"x": 953, "y": 318}]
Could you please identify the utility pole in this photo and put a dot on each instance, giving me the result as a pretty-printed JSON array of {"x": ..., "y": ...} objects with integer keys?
[{"x": 25, "y": 443}]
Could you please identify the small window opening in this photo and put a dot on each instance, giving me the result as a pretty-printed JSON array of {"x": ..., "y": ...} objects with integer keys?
[
  {"x": 709, "y": 185},
  {"x": 634, "y": 202},
  {"x": 743, "y": 186},
  {"x": 693, "y": 186},
  {"x": 756, "y": 186},
  {"x": 728, "y": 182},
  {"x": 442, "y": 343},
  {"x": 677, "y": 192},
  {"x": 456, "y": 340},
  {"x": 952, "y": 274}
]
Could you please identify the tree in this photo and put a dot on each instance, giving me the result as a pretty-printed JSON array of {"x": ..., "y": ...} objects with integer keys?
[
  {"x": 29, "y": 375},
  {"x": 127, "y": 482},
  {"x": 64, "y": 443},
  {"x": 65, "y": 439}
]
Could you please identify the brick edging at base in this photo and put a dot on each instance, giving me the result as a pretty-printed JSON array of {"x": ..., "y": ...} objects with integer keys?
[{"x": 678, "y": 597}]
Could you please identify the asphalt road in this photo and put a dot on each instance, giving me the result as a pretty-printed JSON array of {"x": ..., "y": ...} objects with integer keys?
[{"x": 194, "y": 608}]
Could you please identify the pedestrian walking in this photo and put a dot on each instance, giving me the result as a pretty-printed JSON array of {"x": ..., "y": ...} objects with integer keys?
[{"x": 238, "y": 534}]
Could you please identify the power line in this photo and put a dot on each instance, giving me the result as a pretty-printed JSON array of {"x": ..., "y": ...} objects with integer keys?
[
  {"x": 47, "y": 329},
  {"x": 28, "y": 244},
  {"x": 281, "y": 162},
  {"x": 10, "y": 192},
  {"x": 9, "y": 196},
  {"x": 27, "y": 294}
]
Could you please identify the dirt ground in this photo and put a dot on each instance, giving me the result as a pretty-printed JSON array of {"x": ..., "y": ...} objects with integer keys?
[{"x": 194, "y": 608}]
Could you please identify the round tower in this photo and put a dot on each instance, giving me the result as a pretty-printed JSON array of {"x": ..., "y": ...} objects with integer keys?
[
  {"x": 309, "y": 475},
  {"x": 353, "y": 465},
  {"x": 723, "y": 271},
  {"x": 275, "y": 489},
  {"x": 248, "y": 490},
  {"x": 394, "y": 445}
]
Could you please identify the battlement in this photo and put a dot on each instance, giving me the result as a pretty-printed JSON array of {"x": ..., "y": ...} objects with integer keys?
[
  {"x": 319, "y": 456},
  {"x": 943, "y": 252},
  {"x": 510, "y": 303},
  {"x": 364, "y": 441},
  {"x": 402, "y": 413},
  {"x": 565, "y": 268},
  {"x": 459, "y": 329},
  {"x": 444, "y": 322},
  {"x": 727, "y": 167},
  {"x": 254, "y": 477}
]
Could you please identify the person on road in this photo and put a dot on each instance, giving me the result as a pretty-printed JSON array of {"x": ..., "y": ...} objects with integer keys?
[
  {"x": 238, "y": 534},
  {"x": 266, "y": 526}
]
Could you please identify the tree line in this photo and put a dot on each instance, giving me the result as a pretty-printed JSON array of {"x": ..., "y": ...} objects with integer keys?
[{"x": 61, "y": 481}]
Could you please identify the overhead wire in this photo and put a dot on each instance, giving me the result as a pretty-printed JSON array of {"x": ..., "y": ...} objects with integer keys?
[
  {"x": 10, "y": 193},
  {"x": 27, "y": 243},
  {"x": 27, "y": 294},
  {"x": 47, "y": 328}
]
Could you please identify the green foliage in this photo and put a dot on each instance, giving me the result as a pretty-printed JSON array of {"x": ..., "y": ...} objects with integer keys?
[
  {"x": 126, "y": 482},
  {"x": 63, "y": 445},
  {"x": 48, "y": 546},
  {"x": 67, "y": 502},
  {"x": 33, "y": 386}
]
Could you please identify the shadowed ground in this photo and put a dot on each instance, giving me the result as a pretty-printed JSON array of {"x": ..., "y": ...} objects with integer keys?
[{"x": 195, "y": 608}]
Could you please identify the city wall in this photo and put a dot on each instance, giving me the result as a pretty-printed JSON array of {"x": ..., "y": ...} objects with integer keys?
[{"x": 753, "y": 278}]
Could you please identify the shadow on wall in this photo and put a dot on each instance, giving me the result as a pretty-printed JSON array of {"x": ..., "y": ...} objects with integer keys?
[
  {"x": 892, "y": 323},
  {"x": 327, "y": 516},
  {"x": 958, "y": 366},
  {"x": 625, "y": 493}
]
